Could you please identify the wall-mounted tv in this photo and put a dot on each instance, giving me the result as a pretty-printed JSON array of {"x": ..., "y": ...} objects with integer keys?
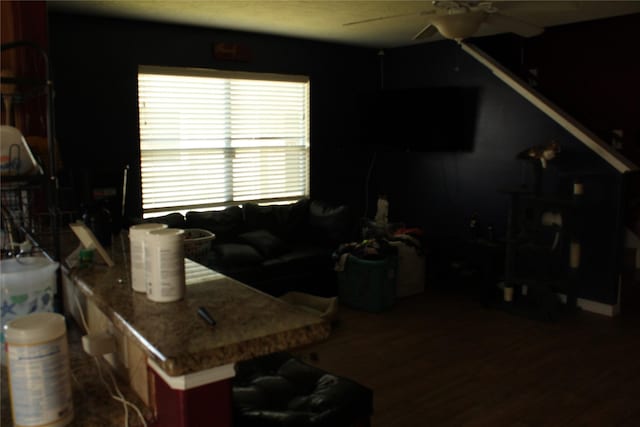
[{"x": 423, "y": 119}]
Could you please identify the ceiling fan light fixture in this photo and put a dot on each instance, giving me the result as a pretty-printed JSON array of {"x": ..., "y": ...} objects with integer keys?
[{"x": 458, "y": 27}]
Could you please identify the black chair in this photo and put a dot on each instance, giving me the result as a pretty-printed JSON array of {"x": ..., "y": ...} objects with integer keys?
[{"x": 279, "y": 390}]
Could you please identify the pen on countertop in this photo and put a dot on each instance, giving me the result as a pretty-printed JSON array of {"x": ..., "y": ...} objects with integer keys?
[{"x": 202, "y": 312}]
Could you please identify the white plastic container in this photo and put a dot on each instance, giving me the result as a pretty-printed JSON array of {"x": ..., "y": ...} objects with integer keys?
[
  {"x": 16, "y": 157},
  {"x": 38, "y": 366},
  {"x": 136, "y": 243},
  {"x": 164, "y": 254},
  {"x": 411, "y": 276},
  {"x": 27, "y": 285}
]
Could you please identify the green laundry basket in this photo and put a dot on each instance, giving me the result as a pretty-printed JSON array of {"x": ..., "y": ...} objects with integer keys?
[{"x": 368, "y": 285}]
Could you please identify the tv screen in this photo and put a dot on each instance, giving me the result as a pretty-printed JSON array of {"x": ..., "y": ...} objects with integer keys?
[{"x": 421, "y": 119}]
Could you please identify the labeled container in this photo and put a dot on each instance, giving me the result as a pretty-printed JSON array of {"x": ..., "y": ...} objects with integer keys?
[
  {"x": 164, "y": 260},
  {"x": 136, "y": 243},
  {"x": 38, "y": 367},
  {"x": 27, "y": 285}
]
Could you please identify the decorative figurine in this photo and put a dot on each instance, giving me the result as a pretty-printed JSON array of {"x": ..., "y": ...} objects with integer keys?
[
  {"x": 544, "y": 153},
  {"x": 382, "y": 214}
]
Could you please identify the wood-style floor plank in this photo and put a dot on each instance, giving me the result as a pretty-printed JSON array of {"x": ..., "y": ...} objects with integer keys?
[{"x": 444, "y": 359}]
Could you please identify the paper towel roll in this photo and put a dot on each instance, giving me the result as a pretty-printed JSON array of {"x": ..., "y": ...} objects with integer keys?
[{"x": 552, "y": 218}]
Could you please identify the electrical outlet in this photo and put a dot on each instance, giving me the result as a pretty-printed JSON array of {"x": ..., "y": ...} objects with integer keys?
[
  {"x": 99, "y": 344},
  {"x": 100, "y": 323}
]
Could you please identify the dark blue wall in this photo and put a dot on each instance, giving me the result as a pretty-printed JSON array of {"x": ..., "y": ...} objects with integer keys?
[
  {"x": 559, "y": 68},
  {"x": 442, "y": 190},
  {"x": 95, "y": 67},
  {"x": 95, "y": 63}
]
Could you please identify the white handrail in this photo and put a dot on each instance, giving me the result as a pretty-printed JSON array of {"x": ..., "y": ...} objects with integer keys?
[{"x": 588, "y": 138}]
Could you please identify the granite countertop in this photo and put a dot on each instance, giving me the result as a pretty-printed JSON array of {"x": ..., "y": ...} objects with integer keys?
[{"x": 249, "y": 322}]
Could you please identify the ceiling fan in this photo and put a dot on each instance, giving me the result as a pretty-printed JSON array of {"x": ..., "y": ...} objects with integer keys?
[{"x": 458, "y": 20}]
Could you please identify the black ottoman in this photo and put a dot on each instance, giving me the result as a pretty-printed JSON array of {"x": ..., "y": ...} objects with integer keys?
[{"x": 279, "y": 390}]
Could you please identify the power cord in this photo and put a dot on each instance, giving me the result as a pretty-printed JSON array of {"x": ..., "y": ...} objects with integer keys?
[{"x": 118, "y": 396}]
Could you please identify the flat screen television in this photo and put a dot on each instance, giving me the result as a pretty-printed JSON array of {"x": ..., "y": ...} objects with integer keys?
[{"x": 423, "y": 119}]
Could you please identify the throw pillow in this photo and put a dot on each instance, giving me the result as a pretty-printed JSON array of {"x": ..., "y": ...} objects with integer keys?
[
  {"x": 237, "y": 254},
  {"x": 265, "y": 242},
  {"x": 286, "y": 221},
  {"x": 173, "y": 220},
  {"x": 225, "y": 224}
]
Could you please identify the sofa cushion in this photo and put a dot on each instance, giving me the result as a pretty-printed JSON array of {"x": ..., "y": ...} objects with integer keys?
[
  {"x": 265, "y": 242},
  {"x": 329, "y": 223},
  {"x": 304, "y": 255},
  {"x": 173, "y": 220},
  {"x": 296, "y": 395},
  {"x": 236, "y": 254},
  {"x": 225, "y": 224},
  {"x": 246, "y": 399},
  {"x": 286, "y": 221}
]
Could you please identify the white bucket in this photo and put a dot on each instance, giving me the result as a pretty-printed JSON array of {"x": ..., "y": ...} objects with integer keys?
[
  {"x": 136, "y": 243},
  {"x": 39, "y": 375},
  {"x": 164, "y": 255},
  {"x": 27, "y": 285}
]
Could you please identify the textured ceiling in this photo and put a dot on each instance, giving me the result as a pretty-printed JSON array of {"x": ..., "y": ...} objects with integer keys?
[{"x": 324, "y": 20}]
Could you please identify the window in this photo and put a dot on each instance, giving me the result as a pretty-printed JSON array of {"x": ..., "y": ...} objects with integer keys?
[{"x": 212, "y": 138}]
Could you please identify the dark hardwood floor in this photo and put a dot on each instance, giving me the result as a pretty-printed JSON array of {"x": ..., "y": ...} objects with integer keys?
[{"x": 442, "y": 359}]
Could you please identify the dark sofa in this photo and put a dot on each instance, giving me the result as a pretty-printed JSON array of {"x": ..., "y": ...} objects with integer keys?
[{"x": 274, "y": 248}]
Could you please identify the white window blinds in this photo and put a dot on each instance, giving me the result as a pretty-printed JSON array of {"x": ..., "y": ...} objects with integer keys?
[{"x": 210, "y": 138}]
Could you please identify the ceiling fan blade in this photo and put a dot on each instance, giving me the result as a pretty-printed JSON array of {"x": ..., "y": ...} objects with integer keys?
[
  {"x": 513, "y": 25},
  {"x": 381, "y": 18},
  {"x": 427, "y": 31}
]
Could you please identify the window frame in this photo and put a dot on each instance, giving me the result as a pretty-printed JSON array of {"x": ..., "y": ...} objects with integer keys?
[{"x": 297, "y": 147}]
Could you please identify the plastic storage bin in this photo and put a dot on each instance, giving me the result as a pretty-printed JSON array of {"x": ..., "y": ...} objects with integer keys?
[
  {"x": 27, "y": 285},
  {"x": 368, "y": 285},
  {"x": 411, "y": 270}
]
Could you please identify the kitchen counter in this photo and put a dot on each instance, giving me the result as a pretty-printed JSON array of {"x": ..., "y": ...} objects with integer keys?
[
  {"x": 160, "y": 342},
  {"x": 249, "y": 322}
]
